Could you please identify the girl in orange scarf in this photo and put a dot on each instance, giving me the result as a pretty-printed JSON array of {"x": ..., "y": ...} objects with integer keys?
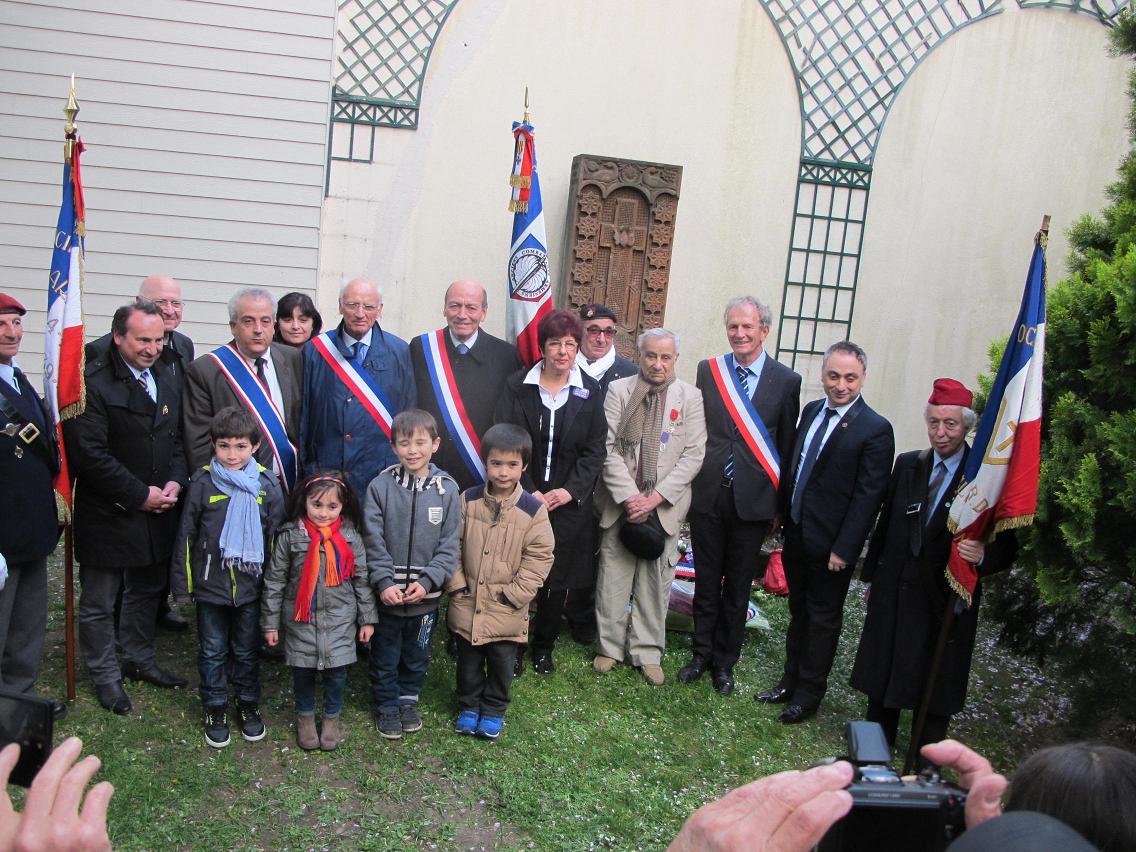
[{"x": 316, "y": 588}]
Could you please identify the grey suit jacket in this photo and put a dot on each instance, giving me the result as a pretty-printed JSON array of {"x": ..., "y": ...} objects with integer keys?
[
  {"x": 206, "y": 391},
  {"x": 680, "y": 458}
]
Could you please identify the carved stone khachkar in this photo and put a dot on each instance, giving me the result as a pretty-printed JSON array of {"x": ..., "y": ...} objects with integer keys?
[{"x": 617, "y": 243}]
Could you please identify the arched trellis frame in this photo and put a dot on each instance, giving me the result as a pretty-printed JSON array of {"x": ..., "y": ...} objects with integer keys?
[{"x": 850, "y": 59}]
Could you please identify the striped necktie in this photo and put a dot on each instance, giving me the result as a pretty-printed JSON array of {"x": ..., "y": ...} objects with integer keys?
[{"x": 743, "y": 376}]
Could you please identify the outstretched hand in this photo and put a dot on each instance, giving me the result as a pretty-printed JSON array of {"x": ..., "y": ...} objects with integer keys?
[{"x": 985, "y": 786}]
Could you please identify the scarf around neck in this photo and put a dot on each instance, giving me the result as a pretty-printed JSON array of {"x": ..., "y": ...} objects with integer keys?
[
  {"x": 339, "y": 562},
  {"x": 640, "y": 428},
  {"x": 242, "y": 537}
]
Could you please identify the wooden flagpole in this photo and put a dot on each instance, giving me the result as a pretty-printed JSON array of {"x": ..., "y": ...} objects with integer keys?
[{"x": 70, "y": 111}]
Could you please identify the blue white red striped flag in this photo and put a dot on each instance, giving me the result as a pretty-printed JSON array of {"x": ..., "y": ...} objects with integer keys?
[
  {"x": 530, "y": 280},
  {"x": 64, "y": 388},
  {"x": 999, "y": 484}
]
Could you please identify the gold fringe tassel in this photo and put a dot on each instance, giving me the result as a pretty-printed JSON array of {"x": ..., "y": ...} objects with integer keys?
[
  {"x": 73, "y": 410},
  {"x": 958, "y": 588},
  {"x": 61, "y": 511},
  {"x": 1012, "y": 523},
  {"x": 520, "y": 181},
  {"x": 518, "y": 207}
]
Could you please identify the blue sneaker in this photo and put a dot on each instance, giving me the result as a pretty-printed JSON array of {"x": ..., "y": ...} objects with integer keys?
[
  {"x": 490, "y": 727},
  {"x": 467, "y": 722}
]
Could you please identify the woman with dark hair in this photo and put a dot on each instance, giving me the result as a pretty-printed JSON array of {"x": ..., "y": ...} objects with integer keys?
[
  {"x": 1088, "y": 786},
  {"x": 297, "y": 320},
  {"x": 562, "y": 409}
]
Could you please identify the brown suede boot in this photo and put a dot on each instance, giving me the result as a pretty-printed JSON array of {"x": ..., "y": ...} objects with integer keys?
[
  {"x": 331, "y": 735},
  {"x": 306, "y": 736}
]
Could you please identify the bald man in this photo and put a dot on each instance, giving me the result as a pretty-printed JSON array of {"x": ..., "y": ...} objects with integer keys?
[
  {"x": 479, "y": 364},
  {"x": 357, "y": 377}
]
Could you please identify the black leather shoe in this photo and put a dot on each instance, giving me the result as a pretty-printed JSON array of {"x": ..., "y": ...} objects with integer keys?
[
  {"x": 170, "y": 620},
  {"x": 114, "y": 698},
  {"x": 724, "y": 681},
  {"x": 794, "y": 714},
  {"x": 693, "y": 670},
  {"x": 542, "y": 663},
  {"x": 778, "y": 695},
  {"x": 584, "y": 634},
  {"x": 519, "y": 665},
  {"x": 58, "y": 710},
  {"x": 154, "y": 675}
]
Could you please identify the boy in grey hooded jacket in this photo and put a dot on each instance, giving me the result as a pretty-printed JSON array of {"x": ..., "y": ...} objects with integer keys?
[{"x": 412, "y": 532}]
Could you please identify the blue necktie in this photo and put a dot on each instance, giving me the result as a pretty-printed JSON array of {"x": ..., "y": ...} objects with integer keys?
[
  {"x": 743, "y": 376},
  {"x": 807, "y": 465},
  {"x": 938, "y": 478},
  {"x": 463, "y": 349},
  {"x": 359, "y": 352}
]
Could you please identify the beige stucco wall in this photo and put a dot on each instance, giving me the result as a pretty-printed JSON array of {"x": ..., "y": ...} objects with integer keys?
[{"x": 1013, "y": 117}]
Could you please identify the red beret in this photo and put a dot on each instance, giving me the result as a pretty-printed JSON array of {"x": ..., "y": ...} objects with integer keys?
[
  {"x": 950, "y": 392},
  {"x": 8, "y": 305}
]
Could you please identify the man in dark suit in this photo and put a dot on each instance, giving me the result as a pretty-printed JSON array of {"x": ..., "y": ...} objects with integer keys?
[
  {"x": 597, "y": 358},
  {"x": 338, "y": 430},
  {"x": 125, "y": 452},
  {"x": 480, "y": 363},
  {"x": 835, "y": 481},
  {"x": 165, "y": 292},
  {"x": 906, "y": 565},
  {"x": 735, "y": 496},
  {"x": 277, "y": 367},
  {"x": 29, "y": 461}
]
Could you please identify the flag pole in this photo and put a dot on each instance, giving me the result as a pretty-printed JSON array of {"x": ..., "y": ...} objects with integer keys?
[
  {"x": 955, "y": 605},
  {"x": 70, "y": 111}
]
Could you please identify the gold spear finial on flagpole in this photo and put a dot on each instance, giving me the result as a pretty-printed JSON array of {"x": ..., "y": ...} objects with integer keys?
[
  {"x": 70, "y": 111},
  {"x": 526, "y": 118},
  {"x": 1042, "y": 235}
]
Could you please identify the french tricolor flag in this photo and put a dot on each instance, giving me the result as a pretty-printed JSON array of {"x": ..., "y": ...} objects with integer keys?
[{"x": 999, "y": 485}]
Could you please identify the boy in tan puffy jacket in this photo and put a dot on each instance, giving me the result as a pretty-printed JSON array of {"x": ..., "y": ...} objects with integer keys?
[{"x": 506, "y": 554}]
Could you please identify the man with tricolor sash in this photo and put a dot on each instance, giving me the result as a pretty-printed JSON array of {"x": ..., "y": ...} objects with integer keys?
[
  {"x": 253, "y": 373},
  {"x": 459, "y": 372},
  {"x": 357, "y": 377},
  {"x": 751, "y": 404}
]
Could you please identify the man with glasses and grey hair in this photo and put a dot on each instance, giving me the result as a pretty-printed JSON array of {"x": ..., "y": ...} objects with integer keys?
[
  {"x": 656, "y": 438},
  {"x": 357, "y": 377},
  {"x": 252, "y": 372},
  {"x": 752, "y": 402}
]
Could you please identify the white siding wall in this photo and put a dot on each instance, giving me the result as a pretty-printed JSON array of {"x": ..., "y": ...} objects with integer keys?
[{"x": 206, "y": 133}]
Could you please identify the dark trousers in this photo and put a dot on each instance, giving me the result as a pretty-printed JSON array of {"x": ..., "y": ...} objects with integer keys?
[
  {"x": 400, "y": 653},
  {"x": 304, "y": 688},
  {"x": 934, "y": 726},
  {"x": 485, "y": 676},
  {"x": 141, "y": 590},
  {"x": 580, "y": 607},
  {"x": 23, "y": 623},
  {"x": 546, "y": 623},
  {"x": 816, "y": 614},
  {"x": 228, "y": 636},
  {"x": 727, "y": 551}
]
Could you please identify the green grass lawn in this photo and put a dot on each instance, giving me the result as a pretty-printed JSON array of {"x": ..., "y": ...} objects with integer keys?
[{"x": 585, "y": 760}]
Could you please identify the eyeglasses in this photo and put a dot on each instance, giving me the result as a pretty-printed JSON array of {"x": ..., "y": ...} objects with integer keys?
[
  {"x": 354, "y": 306},
  {"x": 168, "y": 303},
  {"x": 568, "y": 345},
  {"x": 596, "y": 331}
]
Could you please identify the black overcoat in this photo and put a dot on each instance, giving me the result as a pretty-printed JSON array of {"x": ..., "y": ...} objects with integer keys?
[
  {"x": 30, "y": 527},
  {"x": 906, "y": 565},
  {"x": 121, "y": 445},
  {"x": 480, "y": 376},
  {"x": 578, "y": 453}
]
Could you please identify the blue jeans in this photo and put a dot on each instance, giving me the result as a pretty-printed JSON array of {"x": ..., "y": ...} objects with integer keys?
[
  {"x": 224, "y": 633},
  {"x": 400, "y": 651},
  {"x": 304, "y": 686}
]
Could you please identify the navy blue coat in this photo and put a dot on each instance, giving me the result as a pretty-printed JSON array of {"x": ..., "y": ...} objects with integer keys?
[
  {"x": 335, "y": 429},
  {"x": 30, "y": 527}
]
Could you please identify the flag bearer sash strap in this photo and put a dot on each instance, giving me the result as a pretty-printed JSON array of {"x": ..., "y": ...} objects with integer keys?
[{"x": 248, "y": 388}]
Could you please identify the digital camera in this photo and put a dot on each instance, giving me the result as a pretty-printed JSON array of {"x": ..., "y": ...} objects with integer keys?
[{"x": 914, "y": 813}]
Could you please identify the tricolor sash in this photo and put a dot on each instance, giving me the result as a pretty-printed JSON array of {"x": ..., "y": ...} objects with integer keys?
[
  {"x": 249, "y": 389},
  {"x": 745, "y": 417},
  {"x": 361, "y": 383},
  {"x": 450, "y": 402}
]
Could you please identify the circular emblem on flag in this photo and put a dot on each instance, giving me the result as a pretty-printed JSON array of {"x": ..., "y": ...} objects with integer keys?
[{"x": 529, "y": 280}]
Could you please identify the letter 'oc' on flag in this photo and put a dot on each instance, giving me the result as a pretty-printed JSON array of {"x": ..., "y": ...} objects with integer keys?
[{"x": 999, "y": 484}]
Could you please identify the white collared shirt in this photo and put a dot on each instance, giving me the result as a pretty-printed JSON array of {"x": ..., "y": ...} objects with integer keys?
[
  {"x": 553, "y": 403},
  {"x": 151, "y": 385},
  {"x": 755, "y": 367},
  {"x": 468, "y": 343},
  {"x": 8, "y": 374},
  {"x": 817, "y": 420},
  {"x": 596, "y": 368}
]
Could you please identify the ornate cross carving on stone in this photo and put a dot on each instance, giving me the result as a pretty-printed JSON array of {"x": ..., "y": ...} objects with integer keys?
[{"x": 624, "y": 239}]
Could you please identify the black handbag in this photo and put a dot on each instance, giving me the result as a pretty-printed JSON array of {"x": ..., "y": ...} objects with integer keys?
[{"x": 645, "y": 540}]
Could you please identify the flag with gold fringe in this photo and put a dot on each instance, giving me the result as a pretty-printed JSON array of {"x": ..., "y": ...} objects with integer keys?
[
  {"x": 999, "y": 485},
  {"x": 530, "y": 281}
]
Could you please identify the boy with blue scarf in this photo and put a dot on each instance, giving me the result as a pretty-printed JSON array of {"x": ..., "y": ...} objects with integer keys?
[{"x": 232, "y": 508}]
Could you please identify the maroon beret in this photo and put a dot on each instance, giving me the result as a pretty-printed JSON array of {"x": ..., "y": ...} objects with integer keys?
[
  {"x": 8, "y": 305},
  {"x": 951, "y": 392}
]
